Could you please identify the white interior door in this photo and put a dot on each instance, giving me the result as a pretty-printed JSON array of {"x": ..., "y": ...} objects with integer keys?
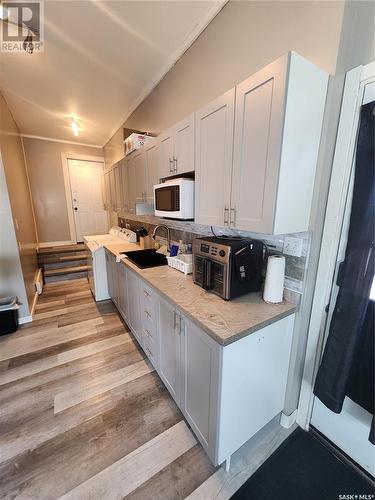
[
  {"x": 350, "y": 429},
  {"x": 87, "y": 198}
]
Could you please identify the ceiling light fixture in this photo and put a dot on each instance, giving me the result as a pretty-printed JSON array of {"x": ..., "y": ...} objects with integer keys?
[{"x": 75, "y": 127}]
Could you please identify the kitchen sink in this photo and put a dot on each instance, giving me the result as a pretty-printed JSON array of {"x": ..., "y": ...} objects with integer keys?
[{"x": 146, "y": 258}]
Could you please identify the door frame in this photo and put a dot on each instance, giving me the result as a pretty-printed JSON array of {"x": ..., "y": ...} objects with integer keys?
[
  {"x": 68, "y": 192},
  {"x": 343, "y": 161}
]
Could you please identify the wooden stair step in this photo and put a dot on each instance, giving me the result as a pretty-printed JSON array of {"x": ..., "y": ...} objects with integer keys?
[
  {"x": 65, "y": 270},
  {"x": 62, "y": 249},
  {"x": 62, "y": 258}
]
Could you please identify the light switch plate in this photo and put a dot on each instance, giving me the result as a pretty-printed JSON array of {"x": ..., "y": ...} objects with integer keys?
[{"x": 293, "y": 246}]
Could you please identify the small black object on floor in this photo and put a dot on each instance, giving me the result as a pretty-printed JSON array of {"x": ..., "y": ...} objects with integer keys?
[{"x": 304, "y": 468}]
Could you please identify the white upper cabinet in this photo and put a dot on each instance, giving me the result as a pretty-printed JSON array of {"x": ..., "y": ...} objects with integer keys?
[
  {"x": 125, "y": 184},
  {"x": 140, "y": 176},
  {"x": 112, "y": 184},
  {"x": 118, "y": 187},
  {"x": 152, "y": 154},
  {"x": 104, "y": 193},
  {"x": 213, "y": 160},
  {"x": 268, "y": 186},
  {"x": 131, "y": 184},
  {"x": 279, "y": 113},
  {"x": 183, "y": 140},
  {"x": 177, "y": 148},
  {"x": 166, "y": 153}
]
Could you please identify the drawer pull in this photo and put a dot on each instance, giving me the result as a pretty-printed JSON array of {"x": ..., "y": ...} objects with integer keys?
[
  {"x": 147, "y": 314},
  {"x": 149, "y": 353},
  {"x": 146, "y": 294},
  {"x": 148, "y": 333}
]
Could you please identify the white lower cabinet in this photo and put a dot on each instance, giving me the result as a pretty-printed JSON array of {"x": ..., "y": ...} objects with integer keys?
[
  {"x": 149, "y": 322},
  {"x": 123, "y": 291},
  {"x": 226, "y": 393},
  {"x": 133, "y": 317},
  {"x": 169, "y": 348},
  {"x": 113, "y": 283},
  {"x": 200, "y": 361}
]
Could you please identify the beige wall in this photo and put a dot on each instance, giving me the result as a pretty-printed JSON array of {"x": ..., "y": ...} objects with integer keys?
[
  {"x": 244, "y": 37},
  {"x": 20, "y": 199},
  {"x": 47, "y": 185}
]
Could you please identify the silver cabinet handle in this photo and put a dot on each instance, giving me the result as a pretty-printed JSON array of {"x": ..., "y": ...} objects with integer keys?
[
  {"x": 232, "y": 221},
  {"x": 175, "y": 165},
  {"x": 226, "y": 216},
  {"x": 145, "y": 293},
  {"x": 149, "y": 353},
  {"x": 174, "y": 320},
  {"x": 147, "y": 314},
  {"x": 147, "y": 332},
  {"x": 171, "y": 165},
  {"x": 180, "y": 325}
]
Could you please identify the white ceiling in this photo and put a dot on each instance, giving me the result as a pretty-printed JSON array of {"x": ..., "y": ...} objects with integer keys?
[{"x": 100, "y": 61}]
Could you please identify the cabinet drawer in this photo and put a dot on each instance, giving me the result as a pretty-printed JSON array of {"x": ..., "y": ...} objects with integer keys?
[
  {"x": 148, "y": 317},
  {"x": 147, "y": 296},
  {"x": 148, "y": 310},
  {"x": 150, "y": 348}
]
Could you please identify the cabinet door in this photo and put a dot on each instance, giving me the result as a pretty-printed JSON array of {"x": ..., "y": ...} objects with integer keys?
[
  {"x": 140, "y": 176},
  {"x": 134, "y": 318},
  {"x": 109, "y": 274},
  {"x": 123, "y": 291},
  {"x": 118, "y": 186},
  {"x": 131, "y": 185},
  {"x": 112, "y": 184},
  {"x": 169, "y": 344},
  {"x": 200, "y": 362},
  {"x": 115, "y": 281},
  {"x": 104, "y": 197},
  {"x": 125, "y": 185},
  {"x": 166, "y": 153},
  {"x": 257, "y": 147},
  {"x": 152, "y": 153},
  {"x": 213, "y": 161},
  {"x": 107, "y": 191},
  {"x": 183, "y": 139}
]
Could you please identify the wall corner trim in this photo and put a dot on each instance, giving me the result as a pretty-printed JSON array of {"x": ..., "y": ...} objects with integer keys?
[{"x": 51, "y": 139}]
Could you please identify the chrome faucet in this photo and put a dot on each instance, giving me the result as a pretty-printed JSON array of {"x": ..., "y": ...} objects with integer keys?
[{"x": 168, "y": 234}]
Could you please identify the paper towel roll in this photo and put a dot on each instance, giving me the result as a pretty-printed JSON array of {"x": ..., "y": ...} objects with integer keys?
[{"x": 274, "y": 285}]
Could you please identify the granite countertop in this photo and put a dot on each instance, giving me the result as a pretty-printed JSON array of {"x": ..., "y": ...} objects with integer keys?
[{"x": 224, "y": 321}]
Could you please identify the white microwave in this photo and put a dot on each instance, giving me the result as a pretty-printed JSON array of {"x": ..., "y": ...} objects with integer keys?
[{"x": 174, "y": 199}]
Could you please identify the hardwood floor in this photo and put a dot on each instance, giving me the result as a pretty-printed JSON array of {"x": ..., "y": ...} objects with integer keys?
[{"x": 82, "y": 412}]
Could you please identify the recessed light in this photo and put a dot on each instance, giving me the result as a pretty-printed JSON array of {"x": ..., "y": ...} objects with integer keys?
[{"x": 75, "y": 127}]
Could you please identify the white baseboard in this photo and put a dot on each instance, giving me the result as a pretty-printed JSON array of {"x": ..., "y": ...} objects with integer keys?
[
  {"x": 25, "y": 319},
  {"x": 55, "y": 243},
  {"x": 288, "y": 420}
]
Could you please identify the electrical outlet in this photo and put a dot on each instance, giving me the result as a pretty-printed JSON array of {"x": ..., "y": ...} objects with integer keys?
[{"x": 293, "y": 246}]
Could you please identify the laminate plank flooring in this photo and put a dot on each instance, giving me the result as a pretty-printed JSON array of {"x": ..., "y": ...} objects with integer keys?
[{"x": 82, "y": 412}]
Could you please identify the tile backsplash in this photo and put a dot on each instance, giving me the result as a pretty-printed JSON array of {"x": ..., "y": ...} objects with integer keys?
[{"x": 295, "y": 267}]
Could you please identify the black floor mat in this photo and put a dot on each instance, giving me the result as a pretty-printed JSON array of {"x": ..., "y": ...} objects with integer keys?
[{"x": 303, "y": 468}]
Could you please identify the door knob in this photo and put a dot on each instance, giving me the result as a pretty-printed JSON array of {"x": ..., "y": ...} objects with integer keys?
[{"x": 75, "y": 208}]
